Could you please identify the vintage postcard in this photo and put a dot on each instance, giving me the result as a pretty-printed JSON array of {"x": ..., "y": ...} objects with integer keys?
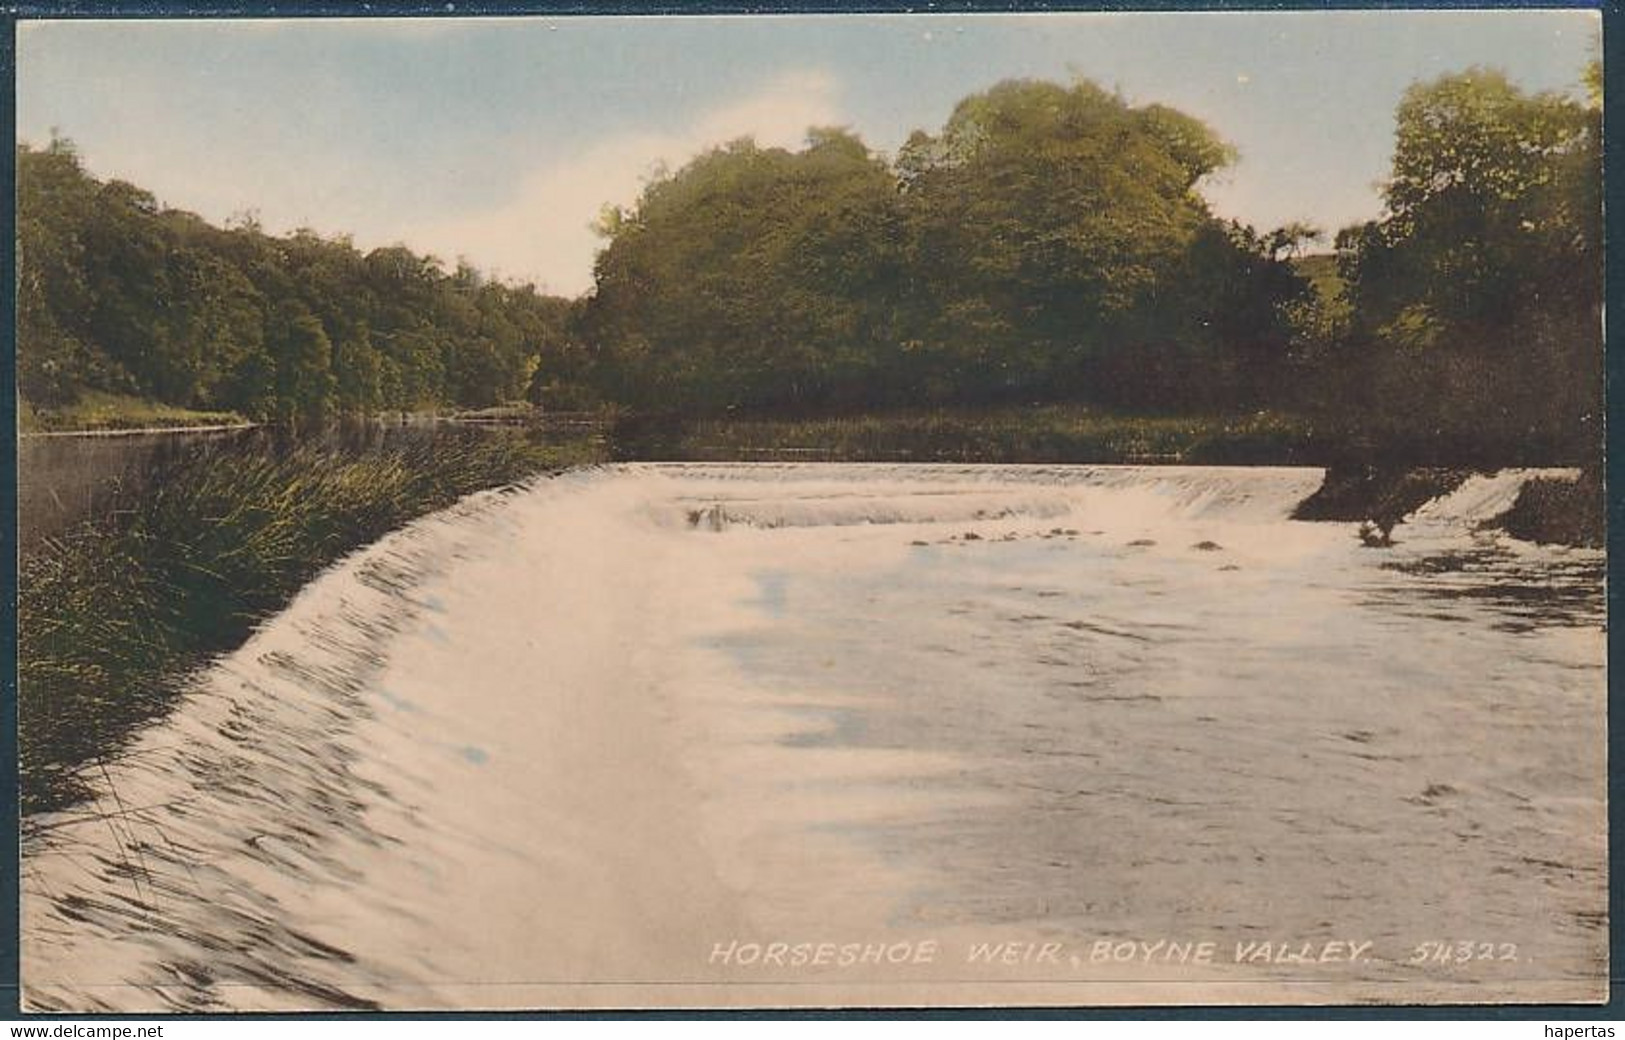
[{"x": 811, "y": 511}]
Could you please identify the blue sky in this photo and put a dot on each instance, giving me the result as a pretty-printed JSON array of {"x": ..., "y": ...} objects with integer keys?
[{"x": 500, "y": 140}]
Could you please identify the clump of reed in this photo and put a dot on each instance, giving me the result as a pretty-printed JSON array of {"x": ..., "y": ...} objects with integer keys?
[{"x": 115, "y": 613}]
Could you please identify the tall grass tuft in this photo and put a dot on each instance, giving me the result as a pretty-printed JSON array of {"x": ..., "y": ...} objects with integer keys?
[{"x": 113, "y": 615}]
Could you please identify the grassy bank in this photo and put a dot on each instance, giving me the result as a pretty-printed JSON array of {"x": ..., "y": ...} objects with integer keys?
[
  {"x": 1015, "y": 434},
  {"x": 96, "y": 410},
  {"x": 113, "y": 615}
]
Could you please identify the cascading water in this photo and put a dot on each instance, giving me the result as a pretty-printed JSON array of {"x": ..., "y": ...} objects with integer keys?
[
  {"x": 1481, "y": 498},
  {"x": 590, "y": 742}
]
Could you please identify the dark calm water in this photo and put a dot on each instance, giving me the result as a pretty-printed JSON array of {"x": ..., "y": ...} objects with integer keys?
[
  {"x": 63, "y": 479},
  {"x": 559, "y": 746}
]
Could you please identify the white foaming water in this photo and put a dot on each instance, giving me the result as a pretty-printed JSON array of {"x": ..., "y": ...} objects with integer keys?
[{"x": 563, "y": 746}]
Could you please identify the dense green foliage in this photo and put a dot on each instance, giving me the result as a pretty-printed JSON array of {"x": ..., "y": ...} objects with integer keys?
[
  {"x": 1048, "y": 244},
  {"x": 112, "y": 614},
  {"x": 1475, "y": 321},
  {"x": 116, "y": 294}
]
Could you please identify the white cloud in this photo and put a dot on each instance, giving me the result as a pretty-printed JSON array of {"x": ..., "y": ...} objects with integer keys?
[{"x": 543, "y": 233}]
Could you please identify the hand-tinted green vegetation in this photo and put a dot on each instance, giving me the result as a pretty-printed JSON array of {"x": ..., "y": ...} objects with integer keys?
[
  {"x": 116, "y": 295},
  {"x": 1031, "y": 433},
  {"x": 1474, "y": 330},
  {"x": 111, "y": 615},
  {"x": 1049, "y": 245},
  {"x": 101, "y": 410}
]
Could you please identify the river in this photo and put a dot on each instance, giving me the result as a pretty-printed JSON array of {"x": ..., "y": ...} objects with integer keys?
[{"x": 726, "y": 735}]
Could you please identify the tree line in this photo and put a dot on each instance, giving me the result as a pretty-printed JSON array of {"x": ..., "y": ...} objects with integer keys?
[
  {"x": 1050, "y": 243},
  {"x": 116, "y": 293}
]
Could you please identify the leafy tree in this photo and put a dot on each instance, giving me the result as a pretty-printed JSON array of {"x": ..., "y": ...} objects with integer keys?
[
  {"x": 1477, "y": 297},
  {"x": 1047, "y": 220},
  {"x": 358, "y": 372},
  {"x": 53, "y": 296},
  {"x": 303, "y": 355},
  {"x": 752, "y": 277}
]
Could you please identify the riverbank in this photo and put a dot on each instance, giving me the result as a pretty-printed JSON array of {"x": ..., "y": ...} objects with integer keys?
[
  {"x": 97, "y": 412},
  {"x": 113, "y": 613},
  {"x": 100, "y": 412},
  {"x": 1050, "y": 433}
]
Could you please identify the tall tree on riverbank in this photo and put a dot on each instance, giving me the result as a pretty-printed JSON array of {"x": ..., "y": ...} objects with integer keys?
[
  {"x": 1050, "y": 226},
  {"x": 752, "y": 277},
  {"x": 1477, "y": 297},
  {"x": 53, "y": 359}
]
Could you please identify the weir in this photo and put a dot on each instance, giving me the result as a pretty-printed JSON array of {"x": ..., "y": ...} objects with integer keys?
[
  {"x": 835, "y": 495},
  {"x": 1482, "y": 498},
  {"x": 447, "y": 762}
]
